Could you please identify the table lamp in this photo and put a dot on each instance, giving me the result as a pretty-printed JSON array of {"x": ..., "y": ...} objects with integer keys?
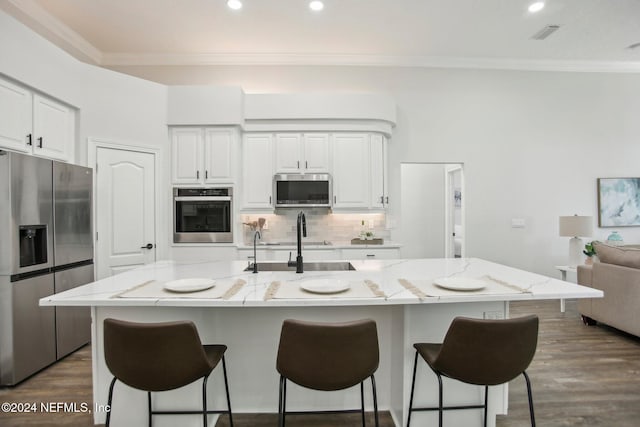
[{"x": 574, "y": 227}]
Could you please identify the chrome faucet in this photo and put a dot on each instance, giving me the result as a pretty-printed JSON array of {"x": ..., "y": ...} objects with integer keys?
[
  {"x": 255, "y": 259},
  {"x": 301, "y": 229}
]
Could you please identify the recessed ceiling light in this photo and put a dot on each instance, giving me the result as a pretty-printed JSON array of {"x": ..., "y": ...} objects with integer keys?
[
  {"x": 234, "y": 4},
  {"x": 316, "y": 5},
  {"x": 536, "y": 7}
]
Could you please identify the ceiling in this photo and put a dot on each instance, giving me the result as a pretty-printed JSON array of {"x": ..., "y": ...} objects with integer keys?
[{"x": 594, "y": 35}]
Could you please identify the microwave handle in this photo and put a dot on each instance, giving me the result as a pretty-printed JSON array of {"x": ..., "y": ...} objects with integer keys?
[{"x": 202, "y": 198}]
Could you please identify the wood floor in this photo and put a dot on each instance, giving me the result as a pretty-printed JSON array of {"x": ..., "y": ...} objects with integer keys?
[{"x": 581, "y": 376}]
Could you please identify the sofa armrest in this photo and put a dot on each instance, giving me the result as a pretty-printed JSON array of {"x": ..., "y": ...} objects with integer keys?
[{"x": 585, "y": 275}]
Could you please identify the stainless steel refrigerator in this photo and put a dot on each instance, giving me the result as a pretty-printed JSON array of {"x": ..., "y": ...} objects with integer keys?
[{"x": 46, "y": 247}]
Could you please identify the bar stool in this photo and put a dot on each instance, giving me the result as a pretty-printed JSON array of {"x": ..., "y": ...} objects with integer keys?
[
  {"x": 481, "y": 352},
  {"x": 328, "y": 357},
  {"x": 160, "y": 357}
]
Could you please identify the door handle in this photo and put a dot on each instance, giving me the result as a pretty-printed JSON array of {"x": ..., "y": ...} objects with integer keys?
[{"x": 147, "y": 246}]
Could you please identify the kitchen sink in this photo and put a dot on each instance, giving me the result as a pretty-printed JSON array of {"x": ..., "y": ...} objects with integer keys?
[{"x": 308, "y": 266}]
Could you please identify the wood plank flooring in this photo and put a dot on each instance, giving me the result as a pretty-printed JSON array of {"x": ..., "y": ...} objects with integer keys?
[{"x": 581, "y": 376}]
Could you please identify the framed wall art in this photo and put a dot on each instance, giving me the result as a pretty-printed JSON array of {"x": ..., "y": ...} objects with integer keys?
[{"x": 618, "y": 202}]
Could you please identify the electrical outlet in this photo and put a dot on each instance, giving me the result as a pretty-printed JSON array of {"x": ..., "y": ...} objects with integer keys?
[{"x": 493, "y": 315}]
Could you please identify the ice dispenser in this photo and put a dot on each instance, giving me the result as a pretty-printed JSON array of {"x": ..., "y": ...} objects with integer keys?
[{"x": 33, "y": 245}]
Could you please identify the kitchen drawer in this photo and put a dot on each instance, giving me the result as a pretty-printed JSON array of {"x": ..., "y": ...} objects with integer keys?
[{"x": 370, "y": 253}]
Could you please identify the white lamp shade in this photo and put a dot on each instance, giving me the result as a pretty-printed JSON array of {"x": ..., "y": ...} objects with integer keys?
[{"x": 575, "y": 226}]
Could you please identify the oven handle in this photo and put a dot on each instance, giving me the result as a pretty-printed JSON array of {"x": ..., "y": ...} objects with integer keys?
[{"x": 202, "y": 198}]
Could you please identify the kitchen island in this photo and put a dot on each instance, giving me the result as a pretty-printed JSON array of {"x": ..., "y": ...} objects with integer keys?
[{"x": 247, "y": 312}]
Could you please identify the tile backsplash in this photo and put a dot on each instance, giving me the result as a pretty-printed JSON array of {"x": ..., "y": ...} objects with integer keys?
[{"x": 321, "y": 225}]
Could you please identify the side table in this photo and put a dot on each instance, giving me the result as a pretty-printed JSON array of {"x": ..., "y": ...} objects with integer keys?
[{"x": 563, "y": 270}]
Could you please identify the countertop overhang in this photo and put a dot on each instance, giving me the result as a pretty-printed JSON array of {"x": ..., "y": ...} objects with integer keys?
[{"x": 384, "y": 273}]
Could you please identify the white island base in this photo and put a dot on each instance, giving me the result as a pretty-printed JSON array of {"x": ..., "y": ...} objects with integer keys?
[{"x": 251, "y": 336}]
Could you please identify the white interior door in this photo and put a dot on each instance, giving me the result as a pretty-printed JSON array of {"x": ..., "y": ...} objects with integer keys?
[{"x": 125, "y": 210}]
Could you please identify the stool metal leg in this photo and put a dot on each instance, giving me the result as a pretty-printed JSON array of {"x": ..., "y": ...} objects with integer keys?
[
  {"x": 149, "y": 406},
  {"x": 109, "y": 400},
  {"x": 486, "y": 403},
  {"x": 226, "y": 388},
  {"x": 375, "y": 399},
  {"x": 439, "y": 399},
  {"x": 204, "y": 401},
  {"x": 413, "y": 385},
  {"x": 362, "y": 402},
  {"x": 533, "y": 418}
]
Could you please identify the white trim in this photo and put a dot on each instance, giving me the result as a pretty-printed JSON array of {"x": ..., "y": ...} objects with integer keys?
[
  {"x": 93, "y": 145},
  {"x": 42, "y": 22},
  {"x": 128, "y": 59}
]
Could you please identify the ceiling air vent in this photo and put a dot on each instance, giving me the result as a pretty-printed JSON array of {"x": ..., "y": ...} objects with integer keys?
[{"x": 545, "y": 32}]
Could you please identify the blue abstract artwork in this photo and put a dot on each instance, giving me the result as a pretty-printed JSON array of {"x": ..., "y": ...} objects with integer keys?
[{"x": 618, "y": 202}]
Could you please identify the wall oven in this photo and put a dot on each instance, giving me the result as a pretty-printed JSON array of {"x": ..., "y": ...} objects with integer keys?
[{"x": 202, "y": 215}]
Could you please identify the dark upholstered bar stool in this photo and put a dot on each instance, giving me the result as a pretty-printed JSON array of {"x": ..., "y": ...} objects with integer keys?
[
  {"x": 481, "y": 352},
  {"x": 161, "y": 357},
  {"x": 327, "y": 356}
]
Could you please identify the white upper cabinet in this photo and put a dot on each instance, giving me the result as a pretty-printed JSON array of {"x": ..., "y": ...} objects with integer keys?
[
  {"x": 52, "y": 128},
  {"x": 378, "y": 165},
  {"x": 16, "y": 113},
  {"x": 351, "y": 171},
  {"x": 203, "y": 155},
  {"x": 302, "y": 153},
  {"x": 257, "y": 171},
  {"x": 359, "y": 171},
  {"x": 35, "y": 124}
]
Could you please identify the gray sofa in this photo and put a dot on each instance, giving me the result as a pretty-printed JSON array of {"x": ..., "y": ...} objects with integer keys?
[{"x": 617, "y": 274}]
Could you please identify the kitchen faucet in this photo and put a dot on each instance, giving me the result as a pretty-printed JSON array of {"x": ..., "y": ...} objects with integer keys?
[
  {"x": 301, "y": 225},
  {"x": 255, "y": 260}
]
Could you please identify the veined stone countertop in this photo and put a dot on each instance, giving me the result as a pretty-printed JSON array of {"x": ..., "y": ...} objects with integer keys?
[{"x": 386, "y": 274}]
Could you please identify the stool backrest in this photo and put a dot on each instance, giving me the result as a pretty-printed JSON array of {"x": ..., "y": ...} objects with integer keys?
[
  {"x": 488, "y": 352},
  {"x": 154, "y": 356},
  {"x": 328, "y": 356}
]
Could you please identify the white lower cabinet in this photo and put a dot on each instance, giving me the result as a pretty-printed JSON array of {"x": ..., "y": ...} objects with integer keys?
[{"x": 319, "y": 254}]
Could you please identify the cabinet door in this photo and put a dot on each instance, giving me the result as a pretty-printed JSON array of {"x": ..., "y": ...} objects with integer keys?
[
  {"x": 288, "y": 153},
  {"x": 257, "y": 171},
  {"x": 218, "y": 154},
  {"x": 186, "y": 160},
  {"x": 377, "y": 172},
  {"x": 52, "y": 128},
  {"x": 351, "y": 171},
  {"x": 316, "y": 153},
  {"x": 15, "y": 116}
]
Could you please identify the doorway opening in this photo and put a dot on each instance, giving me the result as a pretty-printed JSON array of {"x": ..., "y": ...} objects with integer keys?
[{"x": 432, "y": 210}]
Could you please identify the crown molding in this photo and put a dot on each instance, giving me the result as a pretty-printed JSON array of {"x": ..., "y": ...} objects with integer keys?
[
  {"x": 39, "y": 20},
  {"x": 127, "y": 59}
]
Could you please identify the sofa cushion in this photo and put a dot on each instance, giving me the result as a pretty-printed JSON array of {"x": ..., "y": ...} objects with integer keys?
[{"x": 627, "y": 257}]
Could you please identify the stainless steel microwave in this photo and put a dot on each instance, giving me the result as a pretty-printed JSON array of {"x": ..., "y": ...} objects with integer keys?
[
  {"x": 202, "y": 215},
  {"x": 302, "y": 190}
]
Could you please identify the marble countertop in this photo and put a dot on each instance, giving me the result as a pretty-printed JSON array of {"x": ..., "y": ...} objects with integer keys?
[{"x": 384, "y": 273}]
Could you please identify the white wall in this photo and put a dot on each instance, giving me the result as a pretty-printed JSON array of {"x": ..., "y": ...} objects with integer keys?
[
  {"x": 422, "y": 229},
  {"x": 533, "y": 143},
  {"x": 111, "y": 105}
]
